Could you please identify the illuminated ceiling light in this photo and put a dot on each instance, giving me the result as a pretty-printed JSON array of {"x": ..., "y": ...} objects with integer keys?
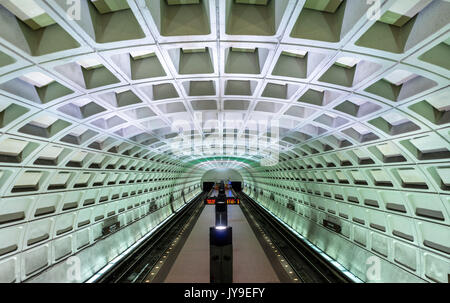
[
  {"x": 440, "y": 100},
  {"x": 395, "y": 118},
  {"x": 403, "y": 11},
  {"x": 81, "y": 102},
  {"x": 253, "y": 2},
  {"x": 243, "y": 49},
  {"x": 37, "y": 79},
  {"x": 29, "y": 12},
  {"x": 295, "y": 53},
  {"x": 141, "y": 54},
  {"x": 44, "y": 121},
  {"x": 398, "y": 77},
  {"x": 109, "y": 6},
  {"x": 12, "y": 147},
  {"x": 182, "y": 2},
  {"x": 189, "y": 50},
  {"x": 347, "y": 62},
  {"x": 90, "y": 63},
  {"x": 329, "y": 6}
]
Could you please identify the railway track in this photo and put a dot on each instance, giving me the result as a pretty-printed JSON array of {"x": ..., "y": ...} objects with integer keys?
[
  {"x": 135, "y": 267},
  {"x": 306, "y": 263}
]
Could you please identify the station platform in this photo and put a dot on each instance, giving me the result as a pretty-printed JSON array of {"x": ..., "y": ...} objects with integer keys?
[{"x": 250, "y": 263}]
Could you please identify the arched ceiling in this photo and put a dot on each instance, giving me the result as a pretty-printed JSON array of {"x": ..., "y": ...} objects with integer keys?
[
  {"x": 222, "y": 173},
  {"x": 228, "y": 78}
]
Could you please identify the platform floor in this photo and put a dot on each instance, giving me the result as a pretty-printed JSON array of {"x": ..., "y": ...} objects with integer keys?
[{"x": 250, "y": 263}]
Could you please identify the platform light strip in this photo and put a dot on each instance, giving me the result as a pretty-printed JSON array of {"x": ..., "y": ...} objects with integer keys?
[
  {"x": 322, "y": 253},
  {"x": 102, "y": 271}
]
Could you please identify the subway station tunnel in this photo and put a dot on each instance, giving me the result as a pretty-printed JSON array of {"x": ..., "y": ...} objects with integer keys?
[{"x": 330, "y": 119}]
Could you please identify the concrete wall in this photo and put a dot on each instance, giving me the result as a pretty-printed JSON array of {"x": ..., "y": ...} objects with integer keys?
[{"x": 218, "y": 174}]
